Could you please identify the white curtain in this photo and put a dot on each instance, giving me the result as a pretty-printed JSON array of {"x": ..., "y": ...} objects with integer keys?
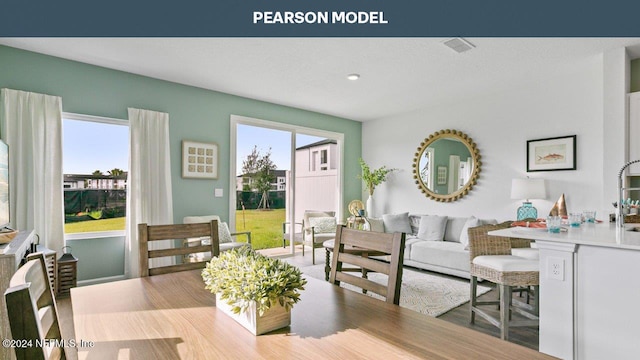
[
  {"x": 32, "y": 127},
  {"x": 149, "y": 198}
]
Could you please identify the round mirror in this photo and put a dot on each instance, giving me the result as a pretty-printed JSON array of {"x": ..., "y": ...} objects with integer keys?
[{"x": 446, "y": 165}]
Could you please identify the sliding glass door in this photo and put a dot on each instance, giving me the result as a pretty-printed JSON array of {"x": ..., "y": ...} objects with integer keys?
[{"x": 279, "y": 172}]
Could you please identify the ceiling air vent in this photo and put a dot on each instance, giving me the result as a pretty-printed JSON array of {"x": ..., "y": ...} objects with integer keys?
[{"x": 459, "y": 44}]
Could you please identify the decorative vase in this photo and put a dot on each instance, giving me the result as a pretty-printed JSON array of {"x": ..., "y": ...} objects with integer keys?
[
  {"x": 275, "y": 318},
  {"x": 370, "y": 206}
]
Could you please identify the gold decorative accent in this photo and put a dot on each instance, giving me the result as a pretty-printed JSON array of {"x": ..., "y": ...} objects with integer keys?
[
  {"x": 474, "y": 155},
  {"x": 559, "y": 208},
  {"x": 355, "y": 206}
]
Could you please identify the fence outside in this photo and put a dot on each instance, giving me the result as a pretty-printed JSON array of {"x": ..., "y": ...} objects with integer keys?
[
  {"x": 251, "y": 199},
  {"x": 110, "y": 203}
]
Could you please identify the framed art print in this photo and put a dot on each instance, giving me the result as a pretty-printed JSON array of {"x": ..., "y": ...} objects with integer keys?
[
  {"x": 199, "y": 160},
  {"x": 551, "y": 154}
]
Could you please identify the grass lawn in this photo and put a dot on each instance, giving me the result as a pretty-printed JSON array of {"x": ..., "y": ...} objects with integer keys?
[
  {"x": 265, "y": 226},
  {"x": 95, "y": 225}
]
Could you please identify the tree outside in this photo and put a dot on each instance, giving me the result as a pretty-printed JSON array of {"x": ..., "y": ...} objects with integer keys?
[{"x": 259, "y": 169}]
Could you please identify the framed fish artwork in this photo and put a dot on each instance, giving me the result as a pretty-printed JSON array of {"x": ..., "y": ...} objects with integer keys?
[{"x": 558, "y": 153}]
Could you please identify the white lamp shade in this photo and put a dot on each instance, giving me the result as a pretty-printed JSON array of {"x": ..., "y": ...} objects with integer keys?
[{"x": 528, "y": 189}]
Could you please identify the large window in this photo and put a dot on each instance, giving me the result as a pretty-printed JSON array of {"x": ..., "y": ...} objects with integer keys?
[{"x": 95, "y": 163}]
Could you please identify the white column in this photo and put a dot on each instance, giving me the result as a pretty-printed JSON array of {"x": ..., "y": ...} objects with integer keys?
[{"x": 557, "y": 298}]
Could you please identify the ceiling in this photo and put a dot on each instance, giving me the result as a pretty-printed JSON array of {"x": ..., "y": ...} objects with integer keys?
[{"x": 398, "y": 75}]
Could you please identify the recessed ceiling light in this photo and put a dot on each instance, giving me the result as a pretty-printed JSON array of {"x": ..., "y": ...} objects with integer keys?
[{"x": 353, "y": 77}]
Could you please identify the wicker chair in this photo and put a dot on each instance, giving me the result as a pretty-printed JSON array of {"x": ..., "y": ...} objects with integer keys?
[{"x": 491, "y": 260}]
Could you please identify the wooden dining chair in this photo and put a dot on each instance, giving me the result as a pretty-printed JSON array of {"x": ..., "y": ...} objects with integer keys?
[
  {"x": 176, "y": 234},
  {"x": 356, "y": 247},
  {"x": 32, "y": 312}
]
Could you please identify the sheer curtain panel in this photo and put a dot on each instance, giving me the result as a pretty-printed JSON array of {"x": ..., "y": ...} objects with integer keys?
[
  {"x": 31, "y": 124},
  {"x": 149, "y": 198}
]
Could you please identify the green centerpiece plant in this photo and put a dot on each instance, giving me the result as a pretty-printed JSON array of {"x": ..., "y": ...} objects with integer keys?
[{"x": 242, "y": 276}]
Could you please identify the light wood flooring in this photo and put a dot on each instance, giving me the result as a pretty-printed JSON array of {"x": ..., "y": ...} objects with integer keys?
[{"x": 525, "y": 336}]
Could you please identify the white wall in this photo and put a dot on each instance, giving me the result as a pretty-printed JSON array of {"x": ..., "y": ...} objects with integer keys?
[{"x": 500, "y": 124}]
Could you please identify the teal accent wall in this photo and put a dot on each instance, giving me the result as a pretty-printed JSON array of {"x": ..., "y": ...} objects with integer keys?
[
  {"x": 98, "y": 258},
  {"x": 194, "y": 114}
]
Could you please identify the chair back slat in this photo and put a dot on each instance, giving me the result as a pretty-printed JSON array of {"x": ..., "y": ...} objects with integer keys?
[
  {"x": 152, "y": 233},
  {"x": 32, "y": 311},
  {"x": 175, "y": 268},
  {"x": 179, "y": 251},
  {"x": 356, "y": 247},
  {"x": 372, "y": 265},
  {"x": 183, "y": 231},
  {"x": 364, "y": 239},
  {"x": 364, "y": 284}
]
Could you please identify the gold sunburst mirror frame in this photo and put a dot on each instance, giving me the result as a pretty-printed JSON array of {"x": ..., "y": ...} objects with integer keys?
[{"x": 436, "y": 159}]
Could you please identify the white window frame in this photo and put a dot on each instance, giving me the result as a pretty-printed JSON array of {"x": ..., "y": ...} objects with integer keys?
[{"x": 103, "y": 120}]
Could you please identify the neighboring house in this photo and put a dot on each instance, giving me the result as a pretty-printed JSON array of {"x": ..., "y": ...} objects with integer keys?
[
  {"x": 243, "y": 182},
  {"x": 316, "y": 177},
  {"x": 82, "y": 181}
]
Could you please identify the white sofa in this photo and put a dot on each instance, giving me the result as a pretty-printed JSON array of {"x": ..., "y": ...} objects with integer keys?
[{"x": 439, "y": 246}]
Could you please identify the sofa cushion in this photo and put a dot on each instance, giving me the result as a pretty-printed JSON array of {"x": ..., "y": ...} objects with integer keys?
[
  {"x": 441, "y": 253},
  {"x": 397, "y": 223},
  {"x": 407, "y": 245},
  {"x": 320, "y": 238},
  {"x": 432, "y": 227},
  {"x": 506, "y": 263},
  {"x": 464, "y": 234},
  {"x": 454, "y": 228},
  {"x": 376, "y": 225}
]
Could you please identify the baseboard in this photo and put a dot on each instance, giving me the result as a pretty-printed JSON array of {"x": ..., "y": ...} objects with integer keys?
[{"x": 101, "y": 280}]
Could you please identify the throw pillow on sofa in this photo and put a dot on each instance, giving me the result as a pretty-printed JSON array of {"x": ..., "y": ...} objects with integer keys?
[
  {"x": 432, "y": 227},
  {"x": 376, "y": 225},
  {"x": 397, "y": 223},
  {"x": 464, "y": 235}
]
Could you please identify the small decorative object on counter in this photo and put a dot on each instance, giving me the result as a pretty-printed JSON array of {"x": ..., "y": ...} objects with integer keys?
[
  {"x": 589, "y": 216},
  {"x": 575, "y": 219},
  {"x": 553, "y": 224},
  {"x": 559, "y": 208}
]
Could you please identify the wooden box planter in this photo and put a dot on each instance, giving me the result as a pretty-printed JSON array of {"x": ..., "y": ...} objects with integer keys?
[{"x": 275, "y": 318}]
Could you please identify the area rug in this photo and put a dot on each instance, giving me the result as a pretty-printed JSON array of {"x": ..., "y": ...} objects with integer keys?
[{"x": 422, "y": 292}]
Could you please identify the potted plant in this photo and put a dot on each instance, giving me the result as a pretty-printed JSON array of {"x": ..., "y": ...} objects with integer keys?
[
  {"x": 257, "y": 291},
  {"x": 371, "y": 180}
]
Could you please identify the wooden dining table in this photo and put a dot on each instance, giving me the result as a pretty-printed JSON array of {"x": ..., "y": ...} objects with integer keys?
[{"x": 172, "y": 316}]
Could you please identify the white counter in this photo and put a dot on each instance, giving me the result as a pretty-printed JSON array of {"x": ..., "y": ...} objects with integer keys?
[
  {"x": 589, "y": 290},
  {"x": 605, "y": 234}
]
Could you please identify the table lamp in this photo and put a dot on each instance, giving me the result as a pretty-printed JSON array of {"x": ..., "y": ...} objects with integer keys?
[{"x": 528, "y": 189}]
